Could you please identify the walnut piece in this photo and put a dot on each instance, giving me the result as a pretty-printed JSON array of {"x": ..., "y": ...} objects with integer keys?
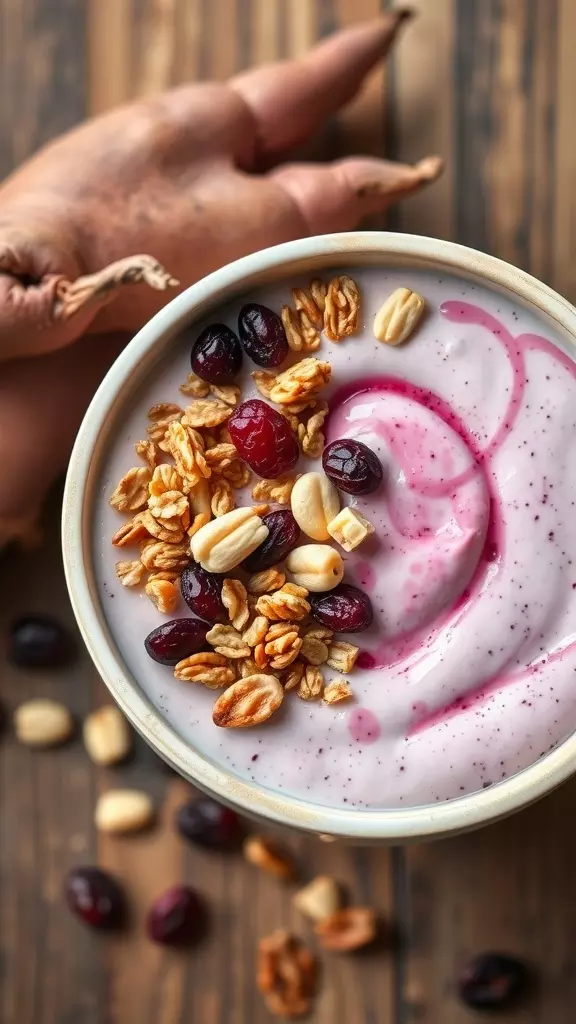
[
  {"x": 342, "y": 656},
  {"x": 130, "y": 574},
  {"x": 347, "y": 929},
  {"x": 168, "y": 505},
  {"x": 278, "y": 490},
  {"x": 149, "y": 452},
  {"x": 131, "y": 494},
  {"x": 256, "y": 632},
  {"x": 266, "y": 581},
  {"x": 310, "y": 436},
  {"x": 311, "y": 684},
  {"x": 195, "y": 386},
  {"x": 336, "y": 691},
  {"x": 287, "y": 604},
  {"x": 285, "y": 975},
  {"x": 235, "y": 600},
  {"x": 220, "y": 456},
  {"x": 267, "y": 855},
  {"x": 164, "y": 594},
  {"x": 212, "y": 670},
  {"x": 206, "y": 412},
  {"x": 222, "y": 497},
  {"x": 170, "y": 531},
  {"x": 187, "y": 450},
  {"x": 282, "y": 645},
  {"x": 227, "y": 641},
  {"x": 159, "y": 555},
  {"x": 264, "y": 381},
  {"x": 342, "y": 308},
  {"x": 303, "y": 380},
  {"x": 248, "y": 702}
]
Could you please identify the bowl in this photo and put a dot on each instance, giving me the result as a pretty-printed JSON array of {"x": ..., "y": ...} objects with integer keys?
[{"x": 303, "y": 256}]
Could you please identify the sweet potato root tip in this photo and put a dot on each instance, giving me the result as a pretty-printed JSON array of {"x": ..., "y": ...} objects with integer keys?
[{"x": 99, "y": 289}]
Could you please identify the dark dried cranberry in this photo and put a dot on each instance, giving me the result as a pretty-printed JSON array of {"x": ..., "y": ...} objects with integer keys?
[
  {"x": 344, "y": 609},
  {"x": 262, "y": 335},
  {"x": 172, "y": 641},
  {"x": 283, "y": 534},
  {"x": 94, "y": 896},
  {"x": 202, "y": 591},
  {"x": 207, "y": 823},
  {"x": 352, "y": 466},
  {"x": 217, "y": 355},
  {"x": 176, "y": 918},
  {"x": 263, "y": 438},
  {"x": 38, "y": 641},
  {"x": 492, "y": 981}
]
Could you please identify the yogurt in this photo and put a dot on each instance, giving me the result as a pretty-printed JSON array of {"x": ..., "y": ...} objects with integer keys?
[{"x": 467, "y": 674}]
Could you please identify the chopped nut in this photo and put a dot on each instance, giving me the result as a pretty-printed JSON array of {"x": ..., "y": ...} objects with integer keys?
[
  {"x": 130, "y": 574},
  {"x": 123, "y": 810},
  {"x": 347, "y": 929},
  {"x": 314, "y": 651},
  {"x": 287, "y": 604},
  {"x": 211, "y": 669},
  {"x": 130, "y": 533},
  {"x": 336, "y": 691},
  {"x": 168, "y": 505},
  {"x": 278, "y": 490},
  {"x": 315, "y": 502},
  {"x": 267, "y": 855},
  {"x": 222, "y": 500},
  {"x": 285, "y": 975},
  {"x": 303, "y": 380},
  {"x": 148, "y": 451},
  {"x": 310, "y": 436},
  {"x": 223, "y": 543},
  {"x": 235, "y": 600},
  {"x": 399, "y": 316},
  {"x": 207, "y": 412},
  {"x": 248, "y": 702},
  {"x": 342, "y": 308},
  {"x": 266, "y": 581},
  {"x": 227, "y": 641},
  {"x": 311, "y": 684},
  {"x": 107, "y": 735},
  {"x": 229, "y": 394},
  {"x": 349, "y": 528},
  {"x": 283, "y": 644},
  {"x": 42, "y": 723},
  {"x": 293, "y": 676},
  {"x": 264, "y": 381},
  {"x": 256, "y": 632},
  {"x": 342, "y": 656},
  {"x": 164, "y": 594},
  {"x": 319, "y": 899},
  {"x": 131, "y": 493},
  {"x": 317, "y": 567},
  {"x": 195, "y": 386},
  {"x": 160, "y": 555}
]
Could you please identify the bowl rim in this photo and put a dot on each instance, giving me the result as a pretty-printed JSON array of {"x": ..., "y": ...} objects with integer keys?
[{"x": 383, "y": 825}]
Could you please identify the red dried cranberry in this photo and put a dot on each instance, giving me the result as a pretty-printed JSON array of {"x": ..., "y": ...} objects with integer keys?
[
  {"x": 94, "y": 896},
  {"x": 492, "y": 981},
  {"x": 207, "y": 823},
  {"x": 262, "y": 335},
  {"x": 263, "y": 438},
  {"x": 344, "y": 609},
  {"x": 217, "y": 355},
  {"x": 176, "y": 918},
  {"x": 172, "y": 641},
  {"x": 37, "y": 641},
  {"x": 283, "y": 534},
  {"x": 202, "y": 591},
  {"x": 352, "y": 466}
]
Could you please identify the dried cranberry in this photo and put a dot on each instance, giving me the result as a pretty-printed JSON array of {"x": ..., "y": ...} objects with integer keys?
[
  {"x": 176, "y": 918},
  {"x": 172, "y": 641},
  {"x": 217, "y": 355},
  {"x": 344, "y": 609},
  {"x": 262, "y": 335},
  {"x": 37, "y": 641},
  {"x": 263, "y": 438},
  {"x": 492, "y": 981},
  {"x": 352, "y": 466},
  {"x": 94, "y": 896},
  {"x": 207, "y": 823},
  {"x": 202, "y": 591},
  {"x": 283, "y": 534}
]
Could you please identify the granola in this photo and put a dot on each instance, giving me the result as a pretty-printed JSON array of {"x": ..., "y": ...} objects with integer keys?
[
  {"x": 235, "y": 600},
  {"x": 210, "y": 669},
  {"x": 342, "y": 308},
  {"x": 131, "y": 494}
]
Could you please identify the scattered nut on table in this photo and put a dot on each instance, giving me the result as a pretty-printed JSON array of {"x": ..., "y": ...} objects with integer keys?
[
  {"x": 319, "y": 899},
  {"x": 347, "y": 929},
  {"x": 42, "y": 723},
  {"x": 269, "y": 856},
  {"x": 123, "y": 810},
  {"x": 107, "y": 735}
]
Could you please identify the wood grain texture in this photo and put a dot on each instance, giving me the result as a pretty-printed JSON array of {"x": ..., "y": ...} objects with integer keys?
[{"x": 489, "y": 84}]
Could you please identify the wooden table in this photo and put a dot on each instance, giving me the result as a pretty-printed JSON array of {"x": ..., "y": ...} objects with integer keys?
[{"x": 491, "y": 84}]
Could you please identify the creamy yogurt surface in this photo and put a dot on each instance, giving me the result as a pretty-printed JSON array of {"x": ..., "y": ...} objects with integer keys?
[{"x": 468, "y": 673}]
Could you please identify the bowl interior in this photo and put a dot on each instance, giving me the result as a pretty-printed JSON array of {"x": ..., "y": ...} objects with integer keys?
[{"x": 101, "y": 423}]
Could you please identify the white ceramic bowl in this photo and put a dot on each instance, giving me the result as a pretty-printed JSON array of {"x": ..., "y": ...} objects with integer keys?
[{"x": 105, "y": 413}]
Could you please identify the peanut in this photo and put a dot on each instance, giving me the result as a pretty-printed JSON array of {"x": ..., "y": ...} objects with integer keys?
[
  {"x": 42, "y": 723},
  {"x": 317, "y": 567},
  {"x": 107, "y": 735},
  {"x": 123, "y": 810},
  {"x": 315, "y": 503}
]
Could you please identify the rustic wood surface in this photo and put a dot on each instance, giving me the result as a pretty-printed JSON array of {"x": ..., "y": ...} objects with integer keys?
[{"x": 490, "y": 84}]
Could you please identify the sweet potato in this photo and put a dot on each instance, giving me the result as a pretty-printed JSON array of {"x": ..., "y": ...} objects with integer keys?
[{"x": 193, "y": 178}]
